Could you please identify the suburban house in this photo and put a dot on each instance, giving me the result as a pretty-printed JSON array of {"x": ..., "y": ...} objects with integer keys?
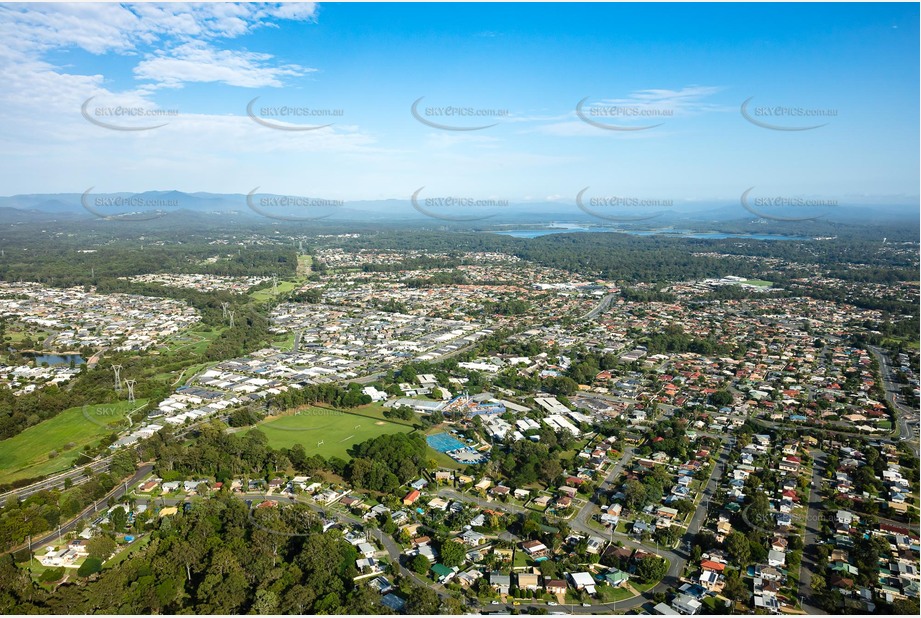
[
  {"x": 686, "y": 604},
  {"x": 555, "y": 586},
  {"x": 500, "y": 582},
  {"x": 583, "y": 581},
  {"x": 616, "y": 578},
  {"x": 528, "y": 581},
  {"x": 535, "y": 549},
  {"x": 443, "y": 573}
]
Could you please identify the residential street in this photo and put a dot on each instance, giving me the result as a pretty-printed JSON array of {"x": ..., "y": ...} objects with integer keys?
[{"x": 814, "y": 514}]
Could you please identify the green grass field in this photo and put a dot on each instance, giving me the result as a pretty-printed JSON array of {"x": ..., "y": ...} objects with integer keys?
[
  {"x": 759, "y": 282},
  {"x": 284, "y": 342},
  {"x": 27, "y": 454},
  {"x": 337, "y": 430},
  {"x": 304, "y": 262},
  {"x": 265, "y": 294},
  {"x": 195, "y": 340}
]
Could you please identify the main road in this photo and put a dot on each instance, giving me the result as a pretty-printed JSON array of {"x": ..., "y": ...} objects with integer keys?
[
  {"x": 76, "y": 476},
  {"x": 813, "y": 533},
  {"x": 892, "y": 393},
  {"x": 99, "y": 505},
  {"x": 600, "y": 307}
]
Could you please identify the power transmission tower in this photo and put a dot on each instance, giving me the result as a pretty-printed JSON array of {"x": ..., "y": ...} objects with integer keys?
[
  {"x": 130, "y": 384},
  {"x": 230, "y": 314},
  {"x": 118, "y": 385}
]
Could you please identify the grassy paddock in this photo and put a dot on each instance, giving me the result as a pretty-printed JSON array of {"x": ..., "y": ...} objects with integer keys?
[{"x": 28, "y": 454}]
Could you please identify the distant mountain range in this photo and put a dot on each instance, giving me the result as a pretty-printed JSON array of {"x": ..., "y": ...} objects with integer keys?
[{"x": 152, "y": 204}]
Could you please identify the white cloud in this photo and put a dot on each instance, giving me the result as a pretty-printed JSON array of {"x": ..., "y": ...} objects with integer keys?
[
  {"x": 122, "y": 28},
  {"x": 178, "y": 41},
  {"x": 643, "y": 108},
  {"x": 43, "y": 127},
  {"x": 688, "y": 100},
  {"x": 198, "y": 62}
]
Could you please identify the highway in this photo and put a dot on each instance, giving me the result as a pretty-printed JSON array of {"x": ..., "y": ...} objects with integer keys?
[
  {"x": 76, "y": 476},
  {"x": 892, "y": 390},
  {"x": 600, "y": 307},
  {"x": 100, "y": 505}
]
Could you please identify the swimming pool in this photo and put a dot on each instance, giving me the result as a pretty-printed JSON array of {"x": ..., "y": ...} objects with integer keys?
[{"x": 443, "y": 443}]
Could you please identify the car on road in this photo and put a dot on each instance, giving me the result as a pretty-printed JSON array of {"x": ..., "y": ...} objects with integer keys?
[
  {"x": 495, "y": 603},
  {"x": 586, "y": 605},
  {"x": 552, "y": 603}
]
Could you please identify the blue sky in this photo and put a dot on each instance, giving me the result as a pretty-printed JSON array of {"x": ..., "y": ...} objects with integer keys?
[{"x": 688, "y": 67}]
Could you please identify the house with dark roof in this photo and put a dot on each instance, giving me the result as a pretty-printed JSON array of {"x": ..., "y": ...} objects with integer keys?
[{"x": 500, "y": 582}]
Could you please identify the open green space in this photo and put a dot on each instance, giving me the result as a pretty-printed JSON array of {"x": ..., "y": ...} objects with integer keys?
[
  {"x": 284, "y": 342},
  {"x": 304, "y": 262},
  {"x": 326, "y": 432},
  {"x": 759, "y": 282},
  {"x": 609, "y": 594},
  {"x": 17, "y": 332},
  {"x": 31, "y": 453},
  {"x": 265, "y": 294},
  {"x": 195, "y": 340}
]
